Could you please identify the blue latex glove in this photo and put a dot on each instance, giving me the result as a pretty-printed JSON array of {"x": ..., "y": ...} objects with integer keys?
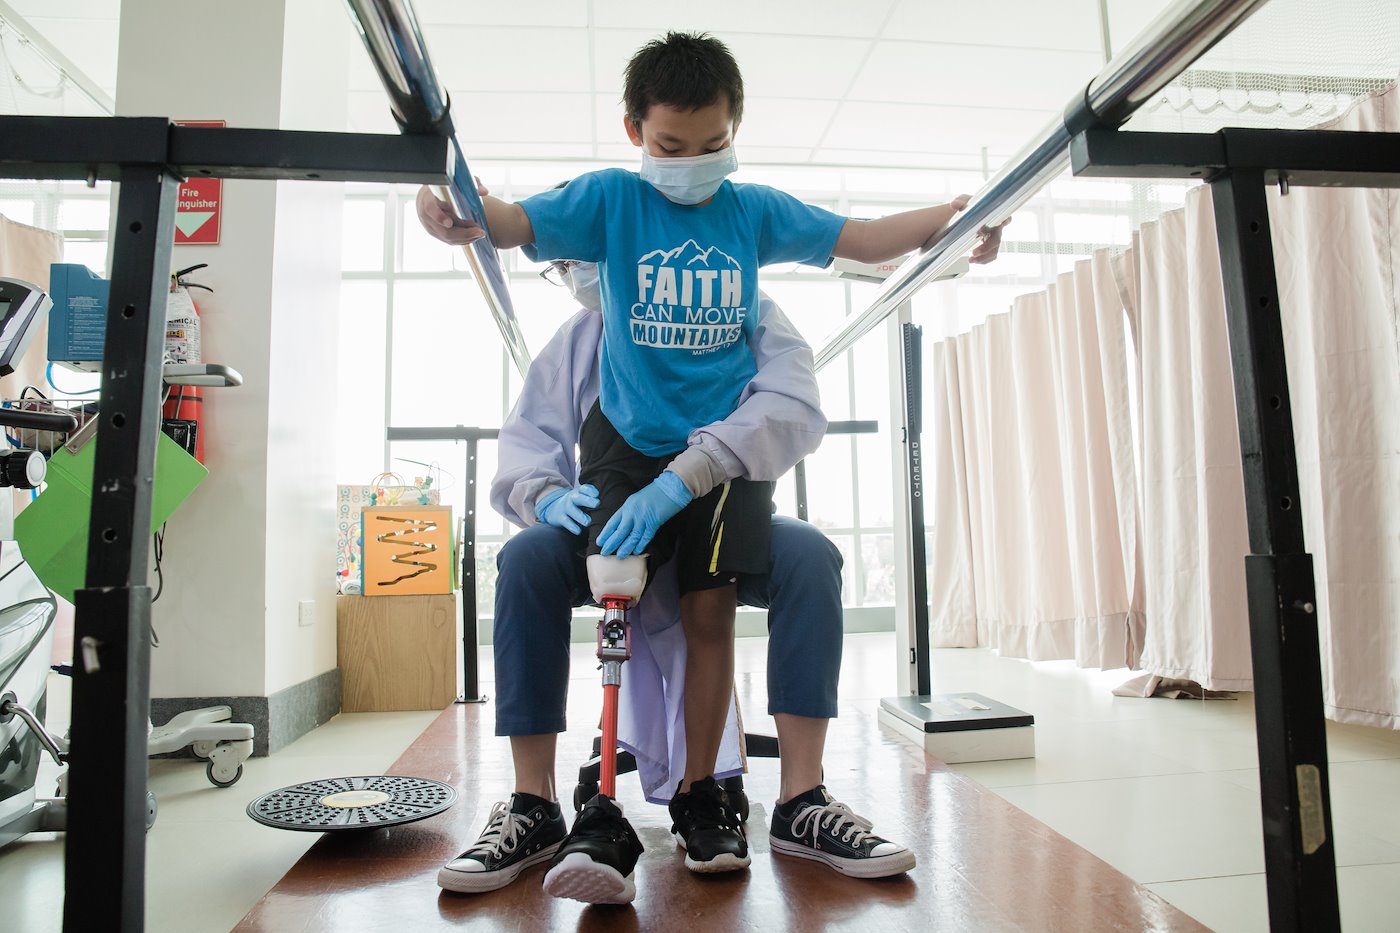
[
  {"x": 633, "y": 526},
  {"x": 564, "y": 508}
]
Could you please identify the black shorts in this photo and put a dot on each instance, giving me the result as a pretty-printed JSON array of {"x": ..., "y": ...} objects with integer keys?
[{"x": 716, "y": 539}]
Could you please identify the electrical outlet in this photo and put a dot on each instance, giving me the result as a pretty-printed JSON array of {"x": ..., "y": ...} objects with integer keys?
[{"x": 306, "y": 612}]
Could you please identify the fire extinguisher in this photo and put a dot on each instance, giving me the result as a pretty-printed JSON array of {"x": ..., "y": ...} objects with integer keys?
[{"x": 184, "y": 406}]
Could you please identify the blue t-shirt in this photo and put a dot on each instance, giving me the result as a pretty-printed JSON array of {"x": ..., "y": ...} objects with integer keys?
[{"x": 680, "y": 290}]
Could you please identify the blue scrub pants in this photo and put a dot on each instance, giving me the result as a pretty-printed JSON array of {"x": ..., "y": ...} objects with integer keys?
[{"x": 541, "y": 578}]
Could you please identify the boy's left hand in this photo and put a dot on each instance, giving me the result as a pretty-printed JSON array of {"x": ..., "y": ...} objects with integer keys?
[
  {"x": 988, "y": 238},
  {"x": 632, "y": 527}
]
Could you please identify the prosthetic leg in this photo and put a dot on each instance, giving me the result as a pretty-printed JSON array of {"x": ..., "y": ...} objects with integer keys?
[
  {"x": 595, "y": 861},
  {"x": 617, "y": 584}
]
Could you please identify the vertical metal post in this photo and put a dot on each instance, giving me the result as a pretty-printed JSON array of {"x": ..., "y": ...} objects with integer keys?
[
  {"x": 1298, "y": 846},
  {"x": 799, "y": 474},
  {"x": 912, "y": 364},
  {"x": 105, "y": 854},
  {"x": 471, "y": 688}
]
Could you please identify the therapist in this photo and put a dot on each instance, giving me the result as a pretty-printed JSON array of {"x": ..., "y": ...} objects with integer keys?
[{"x": 542, "y": 577}]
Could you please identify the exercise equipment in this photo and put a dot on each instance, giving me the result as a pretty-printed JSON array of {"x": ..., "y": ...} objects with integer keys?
[{"x": 352, "y": 803}]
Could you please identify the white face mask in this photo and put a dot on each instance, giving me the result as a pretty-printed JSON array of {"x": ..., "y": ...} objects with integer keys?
[
  {"x": 692, "y": 179},
  {"x": 582, "y": 281}
]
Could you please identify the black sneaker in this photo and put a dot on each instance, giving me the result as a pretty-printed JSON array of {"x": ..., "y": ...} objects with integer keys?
[
  {"x": 708, "y": 829},
  {"x": 594, "y": 864},
  {"x": 521, "y": 832},
  {"x": 814, "y": 826}
]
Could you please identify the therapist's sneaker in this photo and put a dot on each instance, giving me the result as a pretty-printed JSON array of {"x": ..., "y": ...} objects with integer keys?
[
  {"x": 815, "y": 826},
  {"x": 523, "y": 831},
  {"x": 708, "y": 828},
  {"x": 595, "y": 863}
]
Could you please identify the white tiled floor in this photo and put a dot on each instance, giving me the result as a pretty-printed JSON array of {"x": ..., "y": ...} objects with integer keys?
[{"x": 1164, "y": 790}]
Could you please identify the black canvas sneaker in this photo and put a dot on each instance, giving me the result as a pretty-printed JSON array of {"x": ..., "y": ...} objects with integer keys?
[
  {"x": 708, "y": 828},
  {"x": 524, "y": 831},
  {"x": 594, "y": 864},
  {"x": 814, "y": 826}
]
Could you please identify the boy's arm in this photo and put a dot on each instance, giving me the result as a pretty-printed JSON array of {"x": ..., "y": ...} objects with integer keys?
[
  {"x": 510, "y": 225},
  {"x": 890, "y": 237}
]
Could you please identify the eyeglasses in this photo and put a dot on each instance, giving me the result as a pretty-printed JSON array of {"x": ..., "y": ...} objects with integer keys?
[{"x": 556, "y": 273}]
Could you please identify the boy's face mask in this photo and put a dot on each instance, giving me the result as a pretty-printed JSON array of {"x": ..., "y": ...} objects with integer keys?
[
  {"x": 689, "y": 180},
  {"x": 582, "y": 282}
]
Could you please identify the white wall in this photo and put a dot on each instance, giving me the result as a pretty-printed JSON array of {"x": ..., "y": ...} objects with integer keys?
[
  {"x": 305, "y": 311},
  {"x": 256, "y": 537}
]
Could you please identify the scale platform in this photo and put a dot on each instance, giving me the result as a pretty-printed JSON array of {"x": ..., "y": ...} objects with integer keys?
[{"x": 961, "y": 727}]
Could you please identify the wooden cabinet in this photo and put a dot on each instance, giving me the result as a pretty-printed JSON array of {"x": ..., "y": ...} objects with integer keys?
[{"x": 396, "y": 652}]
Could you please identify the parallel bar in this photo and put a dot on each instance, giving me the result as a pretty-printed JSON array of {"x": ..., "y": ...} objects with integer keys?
[
  {"x": 1298, "y": 843},
  {"x": 419, "y": 104},
  {"x": 74, "y": 148},
  {"x": 453, "y": 433},
  {"x": 228, "y": 152},
  {"x": 1323, "y": 158},
  {"x": 106, "y": 846},
  {"x": 1164, "y": 49},
  {"x": 471, "y": 687}
]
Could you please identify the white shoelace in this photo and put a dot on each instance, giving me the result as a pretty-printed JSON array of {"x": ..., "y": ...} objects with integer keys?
[
  {"x": 836, "y": 817},
  {"x": 503, "y": 831}
]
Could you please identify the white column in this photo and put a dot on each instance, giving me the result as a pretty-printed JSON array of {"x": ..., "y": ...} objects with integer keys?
[{"x": 257, "y": 537}]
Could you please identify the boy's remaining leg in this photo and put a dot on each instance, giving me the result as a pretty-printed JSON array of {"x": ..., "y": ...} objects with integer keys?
[
  {"x": 802, "y": 593},
  {"x": 540, "y": 579},
  {"x": 725, "y": 538},
  {"x": 707, "y": 617}
]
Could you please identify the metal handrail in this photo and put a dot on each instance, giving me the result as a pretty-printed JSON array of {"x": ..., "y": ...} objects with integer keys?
[
  {"x": 1163, "y": 50},
  {"x": 420, "y": 105}
]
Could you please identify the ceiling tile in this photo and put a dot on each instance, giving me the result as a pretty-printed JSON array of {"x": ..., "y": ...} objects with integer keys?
[
  {"x": 525, "y": 118},
  {"x": 510, "y": 59},
  {"x": 839, "y": 18},
  {"x": 531, "y": 13},
  {"x": 931, "y": 129},
  {"x": 778, "y": 121},
  {"x": 960, "y": 75},
  {"x": 1065, "y": 24},
  {"x": 773, "y": 66}
]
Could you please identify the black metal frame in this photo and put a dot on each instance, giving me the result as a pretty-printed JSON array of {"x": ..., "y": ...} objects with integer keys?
[
  {"x": 471, "y": 687},
  {"x": 1238, "y": 164},
  {"x": 106, "y": 844}
]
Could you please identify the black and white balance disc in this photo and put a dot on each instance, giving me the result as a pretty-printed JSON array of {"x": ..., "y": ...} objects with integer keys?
[{"x": 352, "y": 803}]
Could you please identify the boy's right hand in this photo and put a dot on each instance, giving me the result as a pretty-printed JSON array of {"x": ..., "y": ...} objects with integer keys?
[{"x": 442, "y": 224}]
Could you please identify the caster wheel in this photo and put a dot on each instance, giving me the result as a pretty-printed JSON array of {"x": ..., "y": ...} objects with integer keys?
[
  {"x": 217, "y": 781},
  {"x": 203, "y": 749},
  {"x": 150, "y": 810},
  {"x": 582, "y": 794}
]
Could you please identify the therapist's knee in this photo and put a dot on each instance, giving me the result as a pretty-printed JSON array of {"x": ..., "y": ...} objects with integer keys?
[
  {"x": 802, "y": 555},
  {"x": 539, "y": 552}
]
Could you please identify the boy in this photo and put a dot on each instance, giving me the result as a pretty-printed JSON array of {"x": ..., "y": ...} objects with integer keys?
[{"x": 678, "y": 248}]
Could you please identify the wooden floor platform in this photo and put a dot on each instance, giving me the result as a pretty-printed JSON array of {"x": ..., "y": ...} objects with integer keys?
[{"x": 983, "y": 865}]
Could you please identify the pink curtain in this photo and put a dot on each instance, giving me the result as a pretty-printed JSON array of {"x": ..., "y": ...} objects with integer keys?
[
  {"x": 1336, "y": 251},
  {"x": 1053, "y": 538},
  {"x": 1032, "y": 489}
]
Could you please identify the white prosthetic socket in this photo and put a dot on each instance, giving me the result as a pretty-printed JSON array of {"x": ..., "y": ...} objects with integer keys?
[{"x": 621, "y": 577}]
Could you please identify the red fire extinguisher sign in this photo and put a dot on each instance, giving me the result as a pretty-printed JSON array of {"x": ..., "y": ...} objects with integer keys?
[{"x": 199, "y": 206}]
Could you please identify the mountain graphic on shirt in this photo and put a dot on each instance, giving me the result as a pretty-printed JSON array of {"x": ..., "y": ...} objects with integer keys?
[{"x": 688, "y": 254}]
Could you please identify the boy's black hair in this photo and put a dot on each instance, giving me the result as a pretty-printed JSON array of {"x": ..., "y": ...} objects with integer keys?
[{"x": 685, "y": 70}]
